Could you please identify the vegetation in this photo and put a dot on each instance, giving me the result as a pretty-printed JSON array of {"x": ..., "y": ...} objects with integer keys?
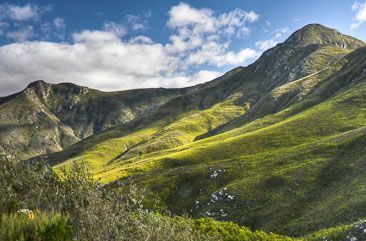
[
  {"x": 73, "y": 206},
  {"x": 350, "y": 232},
  {"x": 276, "y": 146},
  {"x": 265, "y": 174},
  {"x": 17, "y": 227}
]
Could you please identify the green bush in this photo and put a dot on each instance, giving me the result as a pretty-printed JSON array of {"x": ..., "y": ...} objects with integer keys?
[
  {"x": 73, "y": 206},
  {"x": 95, "y": 212},
  {"x": 229, "y": 231},
  {"x": 44, "y": 227},
  {"x": 352, "y": 232}
]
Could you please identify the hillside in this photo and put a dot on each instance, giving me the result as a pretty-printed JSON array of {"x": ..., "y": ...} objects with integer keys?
[
  {"x": 45, "y": 117},
  {"x": 277, "y": 145}
]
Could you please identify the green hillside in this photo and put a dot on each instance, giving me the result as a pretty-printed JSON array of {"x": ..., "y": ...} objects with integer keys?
[
  {"x": 276, "y": 146},
  {"x": 45, "y": 118}
]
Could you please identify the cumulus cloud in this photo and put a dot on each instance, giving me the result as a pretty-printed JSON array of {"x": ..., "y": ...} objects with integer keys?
[
  {"x": 187, "y": 20},
  {"x": 360, "y": 16},
  {"x": 89, "y": 61},
  {"x": 93, "y": 63},
  {"x": 106, "y": 59},
  {"x": 204, "y": 37}
]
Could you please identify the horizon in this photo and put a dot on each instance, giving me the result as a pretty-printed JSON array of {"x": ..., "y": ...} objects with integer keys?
[{"x": 167, "y": 46}]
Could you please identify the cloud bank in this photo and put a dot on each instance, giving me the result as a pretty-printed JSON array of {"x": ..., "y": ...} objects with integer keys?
[{"x": 104, "y": 59}]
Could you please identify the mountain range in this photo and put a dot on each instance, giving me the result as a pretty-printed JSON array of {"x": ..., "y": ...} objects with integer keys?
[{"x": 277, "y": 145}]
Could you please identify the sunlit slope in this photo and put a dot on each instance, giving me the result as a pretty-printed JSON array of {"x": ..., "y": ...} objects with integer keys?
[
  {"x": 354, "y": 231},
  {"x": 155, "y": 138},
  {"x": 298, "y": 175},
  {"x": 131, "y": 153},
  {"x": 292, "y": 174},
  {"x": 278, "y": 145},
  {"x": 113, "y": 158},
  {"x": 45, "y": 118},
  {"x": 282, "y": 76}
]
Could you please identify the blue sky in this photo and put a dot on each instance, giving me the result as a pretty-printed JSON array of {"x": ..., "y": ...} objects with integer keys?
[{"x": 116, "y": 45}]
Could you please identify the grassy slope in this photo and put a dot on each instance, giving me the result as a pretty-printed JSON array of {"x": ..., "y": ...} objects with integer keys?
[
  {"x": 111, "y": 154},
  {"x": 184, "y": 121},
  {"x": 276, "y": 173},
  {"x": 281, "y": 176},
  {"x": 348, "y": 232},
  {"x": 160, "y": 138},
  {"x": 279, "y": 166},
  {"x": 45, "y": 118}
]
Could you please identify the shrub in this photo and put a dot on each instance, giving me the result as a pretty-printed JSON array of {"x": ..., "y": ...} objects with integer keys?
[
  {"x": 95, "y": 212},
  {"x": 44, "y": 227}
]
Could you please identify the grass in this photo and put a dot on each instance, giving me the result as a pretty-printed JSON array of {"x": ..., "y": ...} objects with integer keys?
[
  {"x": 351, "y": 232},
  {"x": 115, "y": 152},
  {"x": 44, "y": 227},
  {"x": 281, "y": 176},
  {"x": 294, "y": 168}
]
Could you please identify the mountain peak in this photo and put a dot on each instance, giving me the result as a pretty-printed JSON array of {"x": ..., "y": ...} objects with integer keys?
[
  {"x": 319, "y": 34},
  {"x": 41, "y": 86},
  {"x": 38, "y": 83}
]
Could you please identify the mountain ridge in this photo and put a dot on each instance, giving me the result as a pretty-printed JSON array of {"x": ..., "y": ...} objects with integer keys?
[
  {"x": 277, "y": 145},
  {"x": 252, "y": 78}
]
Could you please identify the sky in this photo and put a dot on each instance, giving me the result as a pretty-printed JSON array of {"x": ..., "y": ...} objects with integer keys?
[{"x": 118, "y": 45}]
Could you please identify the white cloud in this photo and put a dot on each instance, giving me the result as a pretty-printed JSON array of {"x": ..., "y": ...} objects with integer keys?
[
  {"x": 116, "y": 28},
  {"x": 95, "y": 36},
  {"x": 263, "y": 45},
  {"x": 202, "y": 76},
  {"x": 59, "y": 23},
  {"x": 22, "y": 13},
  {"x": 360, "y": 16},
  {"x": 137, "y": 22},
  {"x": 17, "y": 22},
  {"x": 89, "y": 61},
  {"x": 184, "y": 15},
  {"x": 183, "y": 80},
  {"x": 104, "y": 60},
  {"x": 202, "y": 37},
  {"x": 215, "y": 55},
  {"x": 22, "y": 34},
  {"x": 189, "y": 20},
  {"x": 130, "y": 23},
  {"x": 251, "y": 16},
  {"x": 54, "y": 29},
  {"x": 141, "y": 40}
]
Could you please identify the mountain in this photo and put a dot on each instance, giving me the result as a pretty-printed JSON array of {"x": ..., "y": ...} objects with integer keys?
[
  {"x": 46, "y": 118},
  {"x": 277, "y": 145}
]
